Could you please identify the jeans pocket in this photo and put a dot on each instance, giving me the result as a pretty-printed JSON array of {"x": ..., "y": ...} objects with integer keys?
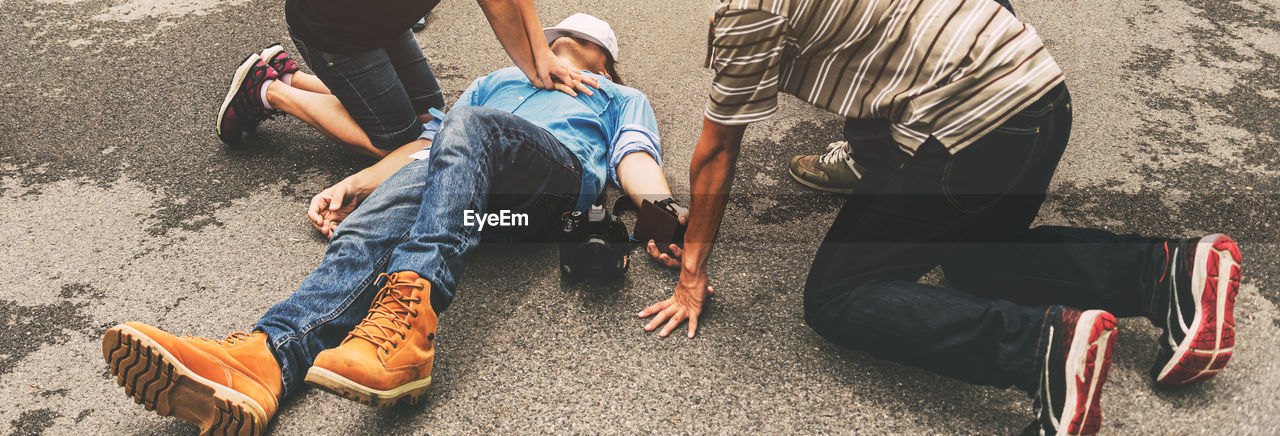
[{"x": 986, "y": 171}]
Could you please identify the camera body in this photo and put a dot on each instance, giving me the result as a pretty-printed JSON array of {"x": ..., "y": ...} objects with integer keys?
[{"x": 593, "y": 244}]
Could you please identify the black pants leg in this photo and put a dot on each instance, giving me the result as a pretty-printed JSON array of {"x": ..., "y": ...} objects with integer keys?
[{"x": 969, "y": 212}]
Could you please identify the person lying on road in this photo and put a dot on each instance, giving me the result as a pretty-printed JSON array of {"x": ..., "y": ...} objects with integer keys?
[{"x": 363, "y": 323}]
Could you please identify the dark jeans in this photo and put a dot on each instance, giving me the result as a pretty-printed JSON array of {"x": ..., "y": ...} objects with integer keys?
[
  {"x": 384, "y": 89},
  {"x": 482, "y": 160},
  {"x": 969, "y": 213}
]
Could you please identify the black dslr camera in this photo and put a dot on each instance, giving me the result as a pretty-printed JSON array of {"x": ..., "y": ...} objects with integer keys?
[{"x": 593, "y": 244}]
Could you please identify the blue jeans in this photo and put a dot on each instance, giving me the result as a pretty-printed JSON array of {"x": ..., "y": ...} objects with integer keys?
[
  {"x": 970, "y": 213},
  {"x": 482, "y": 160},
  {"x": 384, "y": 89}
]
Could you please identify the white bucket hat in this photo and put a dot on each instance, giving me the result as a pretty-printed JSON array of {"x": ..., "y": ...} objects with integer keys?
[{"x": 586, "y": 27}]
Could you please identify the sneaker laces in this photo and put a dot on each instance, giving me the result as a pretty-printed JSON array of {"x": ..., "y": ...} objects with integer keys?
[
  {"x": 391, "y": 305},
  {"x": 251, "y": 107},
  {"x": 836, "y": 152}
]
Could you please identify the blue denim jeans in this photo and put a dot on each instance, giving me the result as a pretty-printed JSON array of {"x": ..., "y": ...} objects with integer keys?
[
  {"x": 970, "y": 213},
  {"x": 482, "y": 160},
  {"x": 384, "y": 89}
]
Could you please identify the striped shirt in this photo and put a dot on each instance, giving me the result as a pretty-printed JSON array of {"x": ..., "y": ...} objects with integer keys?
[{"x": 950, "y": 69}]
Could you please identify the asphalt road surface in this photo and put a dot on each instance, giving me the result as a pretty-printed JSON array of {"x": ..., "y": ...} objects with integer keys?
[{"x": 120, "y": 204}]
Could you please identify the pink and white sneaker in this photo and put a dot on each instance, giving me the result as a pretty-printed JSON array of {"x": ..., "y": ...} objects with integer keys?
[
  {"x": 243, "y": 109},
  {"x": 1077, "y": 360},
  {"x": 1202, "y": 278},
  {"x": 278, "y": 60}
]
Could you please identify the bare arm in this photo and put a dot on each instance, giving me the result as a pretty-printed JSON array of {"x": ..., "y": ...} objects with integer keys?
[
  {"x": 516, "y": 24},
  {"x": 507, "y": 21},
  {"x": 369, "y": 178},
  {"x": 710, "y": 178},
  {"x": 642, "y": 179},
  {"x": 331, "y": 206}
]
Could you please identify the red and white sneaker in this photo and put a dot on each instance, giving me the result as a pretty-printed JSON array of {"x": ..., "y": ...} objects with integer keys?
[
  {"x": 278, "y": 60},
  {"x": 242, "y": 109},
  {"x": 1077, "y": 360},
  {"x": 1202, "y": 278}
]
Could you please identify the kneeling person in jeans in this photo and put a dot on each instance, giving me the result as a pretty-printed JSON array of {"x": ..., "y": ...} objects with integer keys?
[
  {"x": 363, "y": 323},
  {"x": 979, "y": 116}
]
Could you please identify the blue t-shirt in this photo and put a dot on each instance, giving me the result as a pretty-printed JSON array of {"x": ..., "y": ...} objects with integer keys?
[{"x": 600, "y": 129}]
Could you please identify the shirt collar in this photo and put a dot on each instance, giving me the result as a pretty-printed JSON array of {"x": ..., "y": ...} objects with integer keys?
[{"x": 606, "y": 86}]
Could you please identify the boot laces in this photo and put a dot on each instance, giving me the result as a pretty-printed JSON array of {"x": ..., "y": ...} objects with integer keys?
[
  {"x": 231, "y": 339},
  {"x": 836, "y": 152},
  {"x": 234, "y": 338},
  {"x": 388, "y": 319}
]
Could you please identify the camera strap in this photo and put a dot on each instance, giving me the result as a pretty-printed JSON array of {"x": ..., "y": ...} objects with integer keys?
[{"x": 622, "y": 204}]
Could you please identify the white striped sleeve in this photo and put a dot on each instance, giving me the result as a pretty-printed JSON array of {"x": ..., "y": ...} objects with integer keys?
[{"x": 747, "y": 55}]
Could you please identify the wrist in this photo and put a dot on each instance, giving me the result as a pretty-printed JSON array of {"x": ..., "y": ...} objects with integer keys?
[
  {"x": 541, "y": 56},
  {"x": 359, "y": 184},
  {"x": 690, "y": 268}
]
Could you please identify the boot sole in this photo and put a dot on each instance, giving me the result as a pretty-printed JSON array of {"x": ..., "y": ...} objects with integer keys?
[
  {"x": 161, "y": 383},
  {"x": 238, "y": 79},
  {"x": 1215, "y": 283},
  {"x": 341, "y": 386}
]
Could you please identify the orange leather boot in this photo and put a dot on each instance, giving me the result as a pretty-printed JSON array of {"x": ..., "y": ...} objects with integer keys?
[
  {"x": 389, "y": 355},
  {"x": 228, "y": 386}
]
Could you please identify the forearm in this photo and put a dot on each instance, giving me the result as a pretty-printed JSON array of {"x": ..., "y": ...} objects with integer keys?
[
  {"x": 642, "y": 179},
  {"x": 533, "y": 28},
  {"x": 711, "y": 176},
  {"x": 507, "y": 20},
  {"x": 369, "y": 178}
]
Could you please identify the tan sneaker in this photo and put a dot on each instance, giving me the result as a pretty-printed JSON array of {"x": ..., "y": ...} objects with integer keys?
[
  {"x": 229, "y": 386},
  {"x": 389, "y": 355},
  {"x": 834, "y": 171}
]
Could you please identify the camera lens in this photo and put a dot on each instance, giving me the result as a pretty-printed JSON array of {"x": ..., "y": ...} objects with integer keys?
[{"x": 596, "y": 255}]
